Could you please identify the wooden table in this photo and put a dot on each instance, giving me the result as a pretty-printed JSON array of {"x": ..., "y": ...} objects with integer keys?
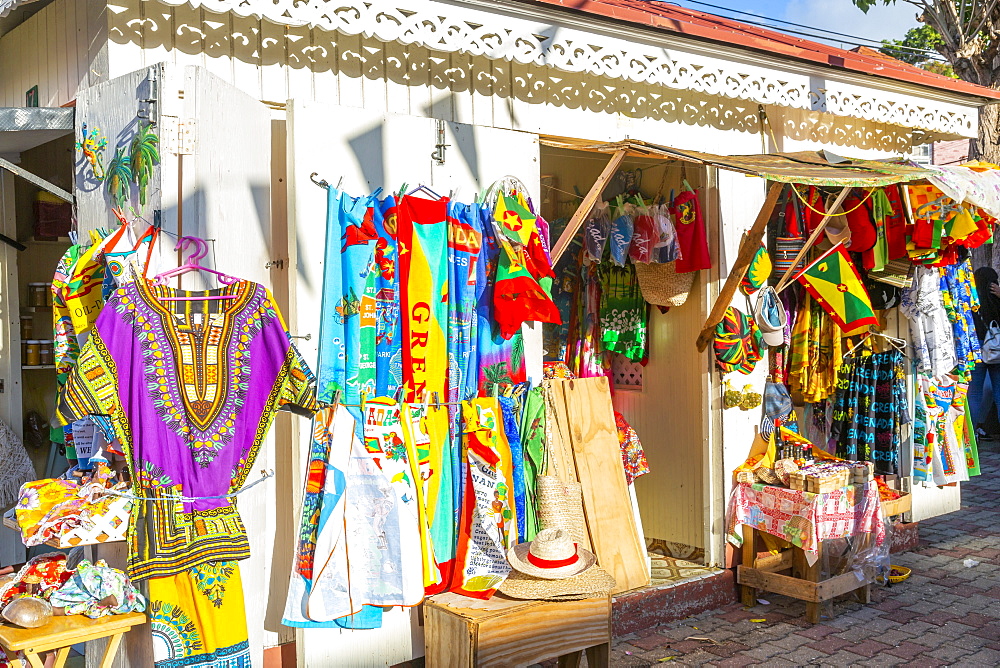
[
  {"x": 765, "y": 573},
  {"x": 465, "y": 632},
  {"x": 62, "y": 633}
]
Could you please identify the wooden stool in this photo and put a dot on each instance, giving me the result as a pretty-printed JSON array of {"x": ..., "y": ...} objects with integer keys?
[
  {"x": 62, "y": 633},
  {"x": 804, "y": 583},
  {"x": 466, "y": 632}
]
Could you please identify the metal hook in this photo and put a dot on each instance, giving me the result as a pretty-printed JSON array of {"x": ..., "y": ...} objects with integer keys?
[{"x": 321, "y": 183}]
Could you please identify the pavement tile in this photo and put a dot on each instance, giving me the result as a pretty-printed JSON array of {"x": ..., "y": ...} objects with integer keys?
[
  {"x": 727, "y": 649},
  {"x": 906, "y": 650},
  {"x": 868, "y": 648},
  {"x": 945, "y": 614},
  {"x": 830, "y": 644},
  {"x": 901, "y": 616},
  {"x": 817, "y": 632},
  {"x": 949, "y": 653},
  {"x": 735, "y": 662},
  {"x": 650, "y": 642}
]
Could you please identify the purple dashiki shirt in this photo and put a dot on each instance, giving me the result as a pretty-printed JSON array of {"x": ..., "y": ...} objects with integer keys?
[{"x": 191, "y": 388}]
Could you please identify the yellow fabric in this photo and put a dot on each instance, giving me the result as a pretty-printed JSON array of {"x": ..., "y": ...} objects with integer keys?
[
  {"x": 762, "y": 453},
  {"x": 199, "y": 615},
  {"x": 84, "y": 290},
  {"x": 962, "y": 225},
  {"x": 815, "y": 355},
  {"x": 415, "y": 438}
]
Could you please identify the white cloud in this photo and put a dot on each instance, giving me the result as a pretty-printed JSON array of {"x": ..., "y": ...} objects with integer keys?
[{"x": 881, "y": 22}]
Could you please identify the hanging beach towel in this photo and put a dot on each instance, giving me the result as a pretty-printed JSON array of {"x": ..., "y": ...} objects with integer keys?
[
  {"x": 488, "y": 525},
  {"x": 623, "y": 313},
  {"x": 423, "y": 282}
]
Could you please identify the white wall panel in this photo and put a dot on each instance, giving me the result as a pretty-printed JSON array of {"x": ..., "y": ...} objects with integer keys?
[{"x": 60, "y": 49}]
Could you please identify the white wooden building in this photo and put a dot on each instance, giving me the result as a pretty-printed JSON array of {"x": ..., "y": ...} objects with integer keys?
[{"x": 254, "y": 96}]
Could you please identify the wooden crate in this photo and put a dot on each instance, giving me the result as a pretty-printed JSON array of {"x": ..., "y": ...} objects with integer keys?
[
  {"x": 463, "y": 632},
  {"x": 897, "y": 506},
  {"x": 803, "y": 582}
]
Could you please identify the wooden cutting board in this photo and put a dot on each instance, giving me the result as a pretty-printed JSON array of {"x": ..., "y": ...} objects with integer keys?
[{"x": 587, "y": 410}]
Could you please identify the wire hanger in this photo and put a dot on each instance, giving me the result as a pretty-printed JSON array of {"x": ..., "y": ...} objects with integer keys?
[
  {"x": 192, "y": 264},
  {"x": 898, "y": 344},
  {"x": 423, "y": 188}
]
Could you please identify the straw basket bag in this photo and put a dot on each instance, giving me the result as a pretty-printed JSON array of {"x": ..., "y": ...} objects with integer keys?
[
  {"x": 560, "y": 506},
  {"x": 661, "y": 285}
]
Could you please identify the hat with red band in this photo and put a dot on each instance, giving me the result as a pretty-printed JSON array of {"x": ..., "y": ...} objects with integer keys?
[{"x": 552, "y": 556}]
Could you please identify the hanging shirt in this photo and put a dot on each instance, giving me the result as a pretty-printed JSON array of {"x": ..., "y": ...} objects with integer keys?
[
  {"x": 691, "y": 237},
  {"x": 191, "y": 389}
]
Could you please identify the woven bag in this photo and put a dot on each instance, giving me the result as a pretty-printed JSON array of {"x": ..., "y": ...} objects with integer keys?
[
  {"x": 560, "y": 506},
  {"x": 785, "y": 250},
  {"x": 661, "y": 285}
]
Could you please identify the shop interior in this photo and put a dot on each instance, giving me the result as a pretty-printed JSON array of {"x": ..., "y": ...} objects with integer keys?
[
  {"x": 662, "y": 392},
  {"x": 43, "y": 225}
]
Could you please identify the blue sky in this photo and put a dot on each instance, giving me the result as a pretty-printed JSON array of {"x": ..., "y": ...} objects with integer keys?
[{"x": 838, "y": 15}]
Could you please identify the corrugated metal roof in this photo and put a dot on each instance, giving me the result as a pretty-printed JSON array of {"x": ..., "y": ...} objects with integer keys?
[
  {"x": 819, "y": 168},
  {"x": 702, "y": 26}
]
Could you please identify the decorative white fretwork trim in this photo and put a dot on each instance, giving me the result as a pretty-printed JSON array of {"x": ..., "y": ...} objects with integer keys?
[{"x": 494, "y": 35}]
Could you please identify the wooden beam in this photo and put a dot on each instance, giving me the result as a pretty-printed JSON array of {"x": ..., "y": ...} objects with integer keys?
[
  {"x": 748, "y": 595},
  {"x": 748, "y": 248},
  {"x": 36, "y": 180},
  {"x": 786, "y": 279},
  {"x": 573, "y": 226},
  {"x": 774, "y": 563}
]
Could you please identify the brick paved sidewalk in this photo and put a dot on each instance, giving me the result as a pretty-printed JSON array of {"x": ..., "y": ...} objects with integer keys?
[{"x": 944, "y": 614}]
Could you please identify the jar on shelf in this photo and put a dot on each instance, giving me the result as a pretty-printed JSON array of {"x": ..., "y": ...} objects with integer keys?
[
  {"x": 45, "y": 352},
  {"x": 32, "y": 353},
  {"x": 38, "y": 294},
  {"x": 48, "y": 295},
  {"x": 27, "y": 327}
]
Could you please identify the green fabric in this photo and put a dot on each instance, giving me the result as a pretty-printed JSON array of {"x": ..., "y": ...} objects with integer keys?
[
  {"x": 623, "y": 312},
  {"x": 533, "y": 446}
]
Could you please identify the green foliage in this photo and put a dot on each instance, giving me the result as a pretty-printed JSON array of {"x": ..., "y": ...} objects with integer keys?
[
  {"x": 144, "y": 156},
  {"x": 924, "y": 37},
  {"x": 118, "y": 176}
]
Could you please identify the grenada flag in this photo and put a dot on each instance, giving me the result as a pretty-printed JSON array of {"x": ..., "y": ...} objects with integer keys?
[{"x": 834, "y": 282}]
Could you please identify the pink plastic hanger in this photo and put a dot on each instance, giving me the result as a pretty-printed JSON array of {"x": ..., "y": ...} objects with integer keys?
[{"x": 192, "y": 264}]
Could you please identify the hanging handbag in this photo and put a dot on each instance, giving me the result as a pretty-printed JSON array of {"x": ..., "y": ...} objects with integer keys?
[
  {"x": 991, "y": 344},
  {"x": 788, "y": 239}
]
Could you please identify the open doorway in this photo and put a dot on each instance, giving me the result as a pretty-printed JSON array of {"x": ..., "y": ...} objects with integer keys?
[
  {"x": 37, "y": 226},
  {"x": 660, "y": 385}
]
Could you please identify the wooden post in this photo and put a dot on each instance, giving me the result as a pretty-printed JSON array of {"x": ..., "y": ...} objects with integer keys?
[
  {"x": 811, "y": 574},
  {"x": 786, "y": 279},
  {"x": 573, "y": 226},
  {"x": 748, "y": 248}
]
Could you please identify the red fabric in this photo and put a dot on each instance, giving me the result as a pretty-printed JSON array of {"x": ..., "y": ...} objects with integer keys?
[
  {"x": 895, "y": 225},
  {"x": 690, "y": 233},
  {"x": 816, "y": 213},
  {"x": 859, "y": 219}
]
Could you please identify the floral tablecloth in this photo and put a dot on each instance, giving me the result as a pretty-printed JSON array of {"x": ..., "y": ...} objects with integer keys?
[{"x": 803, "y": 518}]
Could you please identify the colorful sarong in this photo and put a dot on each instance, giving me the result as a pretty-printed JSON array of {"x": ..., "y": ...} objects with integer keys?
[
  {"x": 197, "y": 618},
  {"x": 488, "y": 514},
  {"x": 356, "y": 538},
  {"x": 388, "y": 353}
]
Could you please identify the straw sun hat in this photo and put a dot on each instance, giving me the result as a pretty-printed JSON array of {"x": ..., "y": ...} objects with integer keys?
[
  {"x": 551, "y": 556},
  {"x": 553, "y": 567}
]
